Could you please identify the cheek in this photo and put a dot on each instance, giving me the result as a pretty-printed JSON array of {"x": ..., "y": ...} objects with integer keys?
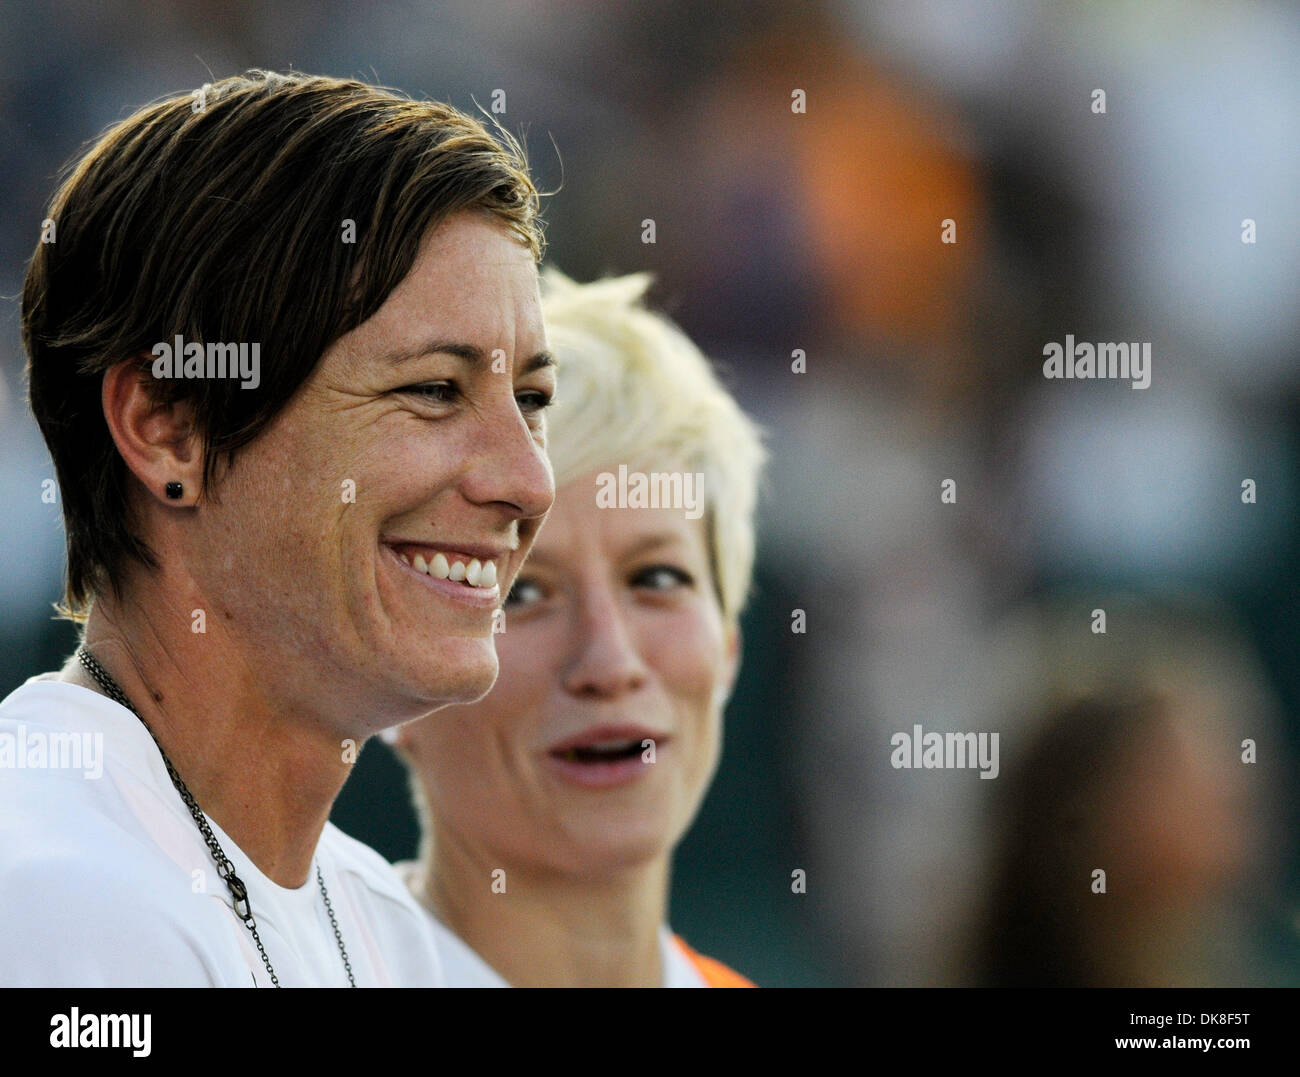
[
  {"x": 461, "y": 765},
  {"x": 290, "y": 478},
  {"x": 263, "y": 509},
  {"x": 396, "y": 451},
  {"x": 688, "y": 654},
  {"x": 462, "y": 742},
  {"x": 527, "y": 651},
  {"x": 689, "y": 662}
]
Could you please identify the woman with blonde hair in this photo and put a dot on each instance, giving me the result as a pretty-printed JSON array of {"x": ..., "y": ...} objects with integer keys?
[{"x": 552, "y": 806}]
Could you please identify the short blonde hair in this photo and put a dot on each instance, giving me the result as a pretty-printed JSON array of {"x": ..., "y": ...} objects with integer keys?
[{"x": 634, "y": 390}]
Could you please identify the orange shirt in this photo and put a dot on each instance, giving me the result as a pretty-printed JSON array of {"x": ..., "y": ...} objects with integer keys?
[{"x": 714, "y": 973}]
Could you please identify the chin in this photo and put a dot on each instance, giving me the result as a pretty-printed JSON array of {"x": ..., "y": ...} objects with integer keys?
[
  {"x": 614, "y": 845},
  {"x": 462, "y": 671}
]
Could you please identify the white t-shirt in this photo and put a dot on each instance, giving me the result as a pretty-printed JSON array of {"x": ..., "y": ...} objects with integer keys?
[
  {"x": 105, "y": 880},
  {"x": 463, "y": 967}
]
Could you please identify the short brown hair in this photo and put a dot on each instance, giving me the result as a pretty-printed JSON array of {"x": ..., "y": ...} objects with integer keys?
[{"x": 219, "y": 215}]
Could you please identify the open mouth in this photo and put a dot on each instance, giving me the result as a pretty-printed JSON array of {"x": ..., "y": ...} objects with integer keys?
[
  {"x": 472, "y": 566},
  {"x": 455, "y": 567},
  {"x": 468, "y": 575},
  {"x": 610, "y": 752},
  {"x": 607, "y": 756}
]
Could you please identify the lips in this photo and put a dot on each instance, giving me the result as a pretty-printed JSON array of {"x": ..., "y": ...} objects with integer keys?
[
  {"x": 606, "y": 756},
  {"x": 476, "y": 567},
  {"x": 606, "y": 752},
  {"x": 466, "y": 572}
]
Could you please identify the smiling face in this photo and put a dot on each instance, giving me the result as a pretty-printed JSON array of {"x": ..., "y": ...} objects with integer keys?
[
  {"x": 420, "y": 435},
  {"x": 613, "y": 637}
]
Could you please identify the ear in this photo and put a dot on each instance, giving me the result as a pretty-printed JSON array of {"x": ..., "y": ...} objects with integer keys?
[{"x": 158, "y": 441}]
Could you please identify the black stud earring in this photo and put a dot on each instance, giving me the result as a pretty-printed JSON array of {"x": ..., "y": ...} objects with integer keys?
[{"x": 174, "y": 490}]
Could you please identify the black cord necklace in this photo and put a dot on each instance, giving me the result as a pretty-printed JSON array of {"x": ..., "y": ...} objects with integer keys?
[{"x": 225, "y": 868}]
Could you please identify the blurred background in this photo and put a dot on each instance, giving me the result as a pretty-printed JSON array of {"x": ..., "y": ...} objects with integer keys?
[{"x": 820, "y": 230}]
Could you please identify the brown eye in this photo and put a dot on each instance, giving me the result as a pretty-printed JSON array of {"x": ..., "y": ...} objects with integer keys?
[{"x": 534, "y": 400}]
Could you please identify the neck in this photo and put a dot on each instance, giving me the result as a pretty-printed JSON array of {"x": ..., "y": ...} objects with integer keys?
[
  {"x": 550, "y": 929},
  {"x": 257, "y": 764}
]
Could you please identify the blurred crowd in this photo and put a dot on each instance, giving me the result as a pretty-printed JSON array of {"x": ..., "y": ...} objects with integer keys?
[{"x": 815, "y": 226}]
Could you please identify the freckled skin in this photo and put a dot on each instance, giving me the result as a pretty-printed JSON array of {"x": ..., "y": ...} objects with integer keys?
[{"x": 312, "y": 592}]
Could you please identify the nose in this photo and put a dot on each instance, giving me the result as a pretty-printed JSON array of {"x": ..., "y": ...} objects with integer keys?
[
  {"x": 604, "y": 660},
  {"x": 508, "y": 466}
]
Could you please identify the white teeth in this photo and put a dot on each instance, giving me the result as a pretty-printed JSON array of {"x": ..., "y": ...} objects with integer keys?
[{"x": 476, "y": 574}]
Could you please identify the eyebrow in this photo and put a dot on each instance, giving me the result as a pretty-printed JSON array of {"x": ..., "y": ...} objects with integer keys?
[
  {"x": 655, "y": 541},
  {"x": 469, "y": 353}
]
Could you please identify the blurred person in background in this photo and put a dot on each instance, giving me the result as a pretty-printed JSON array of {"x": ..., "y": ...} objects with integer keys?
[
  {"x": 926, "y": 369},
  {"x": 1131, "y": 788},
  {"x": 1153, "y": 757},
  {"x": 239, "y": 539},
  {"x": 551, "y": 808}
]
